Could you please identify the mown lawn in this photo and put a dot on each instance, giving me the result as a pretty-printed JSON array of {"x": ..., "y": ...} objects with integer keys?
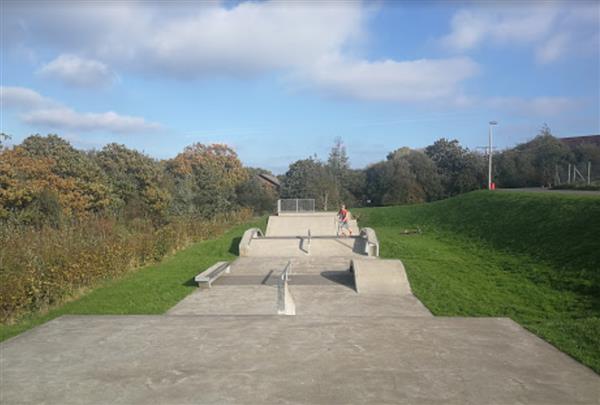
[
  {"x": 150, "y": 290},
  {"x": 466, "y": 264}
]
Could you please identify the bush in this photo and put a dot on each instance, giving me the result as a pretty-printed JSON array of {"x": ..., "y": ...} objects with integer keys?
[{"x": 44, "y": 266}]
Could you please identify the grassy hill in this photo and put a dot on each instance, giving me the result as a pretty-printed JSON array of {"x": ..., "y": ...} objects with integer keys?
[{"x": 532, "y": 257}]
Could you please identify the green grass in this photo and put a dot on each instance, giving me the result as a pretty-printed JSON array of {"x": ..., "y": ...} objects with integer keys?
[
  {"x": 531, "y": 257},
  {"x": 149, "y": 290}
]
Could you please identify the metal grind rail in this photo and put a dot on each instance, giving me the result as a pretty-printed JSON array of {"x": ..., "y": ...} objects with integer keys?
[
  {"x": 285, "y": 301},
  {"x": 309, "y": 242}
]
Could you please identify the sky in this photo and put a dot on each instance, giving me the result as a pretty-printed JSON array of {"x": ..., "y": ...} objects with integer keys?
[{"x": 279, "y": 81}]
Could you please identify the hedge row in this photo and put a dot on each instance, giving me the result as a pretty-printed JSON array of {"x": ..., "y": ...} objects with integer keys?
[{"x": 41, "y": 267}]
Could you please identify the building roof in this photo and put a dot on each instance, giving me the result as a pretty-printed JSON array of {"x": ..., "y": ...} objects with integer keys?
[
  {"x": 270, "y": 179},
  {"x": 576, "y": 140}
]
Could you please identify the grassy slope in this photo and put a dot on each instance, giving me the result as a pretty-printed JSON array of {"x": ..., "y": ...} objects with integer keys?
[
  {"x": 532, "y": 257},
  {"x": 150, "y": 290}
]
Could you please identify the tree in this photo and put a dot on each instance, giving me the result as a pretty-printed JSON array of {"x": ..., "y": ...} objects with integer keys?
[
  {"x": 547, "y": 153},
  {"x": 338, "y": 161},
  {"x": 588, "y": 152},
  {"x": 44, "y": 166},
  {"x": 460, "y": 169},
  {"x": 255, "y": 194},
  {"x": 426, "y": 174},
  {"x": 407, "y": 176},
  {"x": 533, "y": 163},
  {"x": 349, "y": 183},
  {"x": 309, "y": 178},
  {"x": 205, "y": 178},
  {"x": 3, "y": 137},
  {"x": 138, "y": 182}
]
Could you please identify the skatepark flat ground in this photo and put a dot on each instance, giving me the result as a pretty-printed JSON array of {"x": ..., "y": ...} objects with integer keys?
[{"x": 289, "y": 359}]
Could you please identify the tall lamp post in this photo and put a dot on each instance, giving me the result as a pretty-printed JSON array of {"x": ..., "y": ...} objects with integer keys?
[{"x": 492, "y": 123}]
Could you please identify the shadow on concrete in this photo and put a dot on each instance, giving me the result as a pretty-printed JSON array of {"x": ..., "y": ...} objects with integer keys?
[
  {"x": 234, "y": 247},
  {"x": 358, "y": 246},
  {"x": 344, "y": 278}
]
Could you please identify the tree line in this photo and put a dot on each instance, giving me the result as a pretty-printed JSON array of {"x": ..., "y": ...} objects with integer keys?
[
  {"x": 440, "y": 170},
  {"x": 46, "y": 181}
]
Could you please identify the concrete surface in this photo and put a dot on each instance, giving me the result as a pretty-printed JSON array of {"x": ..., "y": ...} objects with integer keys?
[
  {"x": 380, "y": 277},
  {"x": 317, "y": 286},
  {"x": 322, "y": 224},
  {"x": 298, "y": 247},
  {"x": 339, "y": 300},
  {"x": 294, "y": 359},
  {"x": 229, "y": 300}
]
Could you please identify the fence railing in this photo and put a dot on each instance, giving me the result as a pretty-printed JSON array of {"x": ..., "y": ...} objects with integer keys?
[{"x": 295, "y": 205}]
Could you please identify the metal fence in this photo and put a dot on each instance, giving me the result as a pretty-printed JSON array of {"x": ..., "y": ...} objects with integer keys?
[{"x": 296, "y": 205}]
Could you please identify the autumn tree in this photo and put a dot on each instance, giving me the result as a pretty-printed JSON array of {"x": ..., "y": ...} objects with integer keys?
[
  {"x": 205, "y": 178},
  {"x": 50, "y": 168}
]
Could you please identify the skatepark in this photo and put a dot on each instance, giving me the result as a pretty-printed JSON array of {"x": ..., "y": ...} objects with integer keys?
[{"x": 303, "y": 315}]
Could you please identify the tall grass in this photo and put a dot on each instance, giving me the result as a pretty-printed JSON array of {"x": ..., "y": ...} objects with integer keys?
[{"x": 42, "y": 267}]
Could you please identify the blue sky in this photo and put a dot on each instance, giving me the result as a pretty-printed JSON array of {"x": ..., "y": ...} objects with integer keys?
[{"x": 278, "y": 81}]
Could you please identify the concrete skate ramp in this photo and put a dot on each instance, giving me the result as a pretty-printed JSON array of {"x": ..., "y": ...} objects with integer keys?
[
  {"x": 380, "y": 277},
  {"x": 320, "y": 224}
]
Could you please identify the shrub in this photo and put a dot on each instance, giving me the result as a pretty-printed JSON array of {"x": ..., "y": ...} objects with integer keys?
[{"x": 40, "y": 267}]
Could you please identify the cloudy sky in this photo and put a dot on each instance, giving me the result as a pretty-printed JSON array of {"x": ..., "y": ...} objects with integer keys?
[{"x": 279, "y": 81}]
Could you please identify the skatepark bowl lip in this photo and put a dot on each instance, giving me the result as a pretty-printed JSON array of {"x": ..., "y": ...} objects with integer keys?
[{"x": 333, "y": 343}]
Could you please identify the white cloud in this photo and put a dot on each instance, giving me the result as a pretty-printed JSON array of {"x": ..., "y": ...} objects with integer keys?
[
  {"x": 310, "y": 42},
  {"x": 473, "y": 27},
  {"x": 45, "y": 112},
  {"x": 552, "y": 29},
  {"x": 188, "y": 40},
  {"x": 66, "y": 118},
  {"x": 22, "y": 98},
  {"x": 389, "y": 80},
  {"x": 539, "y": 106},
  {"x": 79, "y": 72},
  {"x": 553, "y": 48}
]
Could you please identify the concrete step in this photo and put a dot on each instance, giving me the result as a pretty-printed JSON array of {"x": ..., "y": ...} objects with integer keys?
[
  {"x": 299, "y": 247},
  {"x": 264, "y": 265}
]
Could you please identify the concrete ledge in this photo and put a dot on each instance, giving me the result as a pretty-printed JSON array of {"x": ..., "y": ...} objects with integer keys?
[
  {"x": 244, "y": 246},
  {"x": 212, "y": 273},
  {"x": 380, "y": 277},
  {"x": 371, "y": 241}
]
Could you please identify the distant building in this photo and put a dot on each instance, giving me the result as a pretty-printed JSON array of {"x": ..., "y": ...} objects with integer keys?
[
  {"x": 578, "y": 140},
  {"x": 270, "y": 180}
]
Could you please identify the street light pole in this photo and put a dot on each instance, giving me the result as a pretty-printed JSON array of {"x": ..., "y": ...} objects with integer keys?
[{"x": 492, "y": 123}]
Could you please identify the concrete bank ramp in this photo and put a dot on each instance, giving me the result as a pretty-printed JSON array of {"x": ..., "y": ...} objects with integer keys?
[
  {"x": 380, "y": 277},
  {"x": 320, "y": 224}
]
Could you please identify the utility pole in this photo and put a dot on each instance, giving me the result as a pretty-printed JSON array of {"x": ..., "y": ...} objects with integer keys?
[{"x": 492, "y": 123}]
